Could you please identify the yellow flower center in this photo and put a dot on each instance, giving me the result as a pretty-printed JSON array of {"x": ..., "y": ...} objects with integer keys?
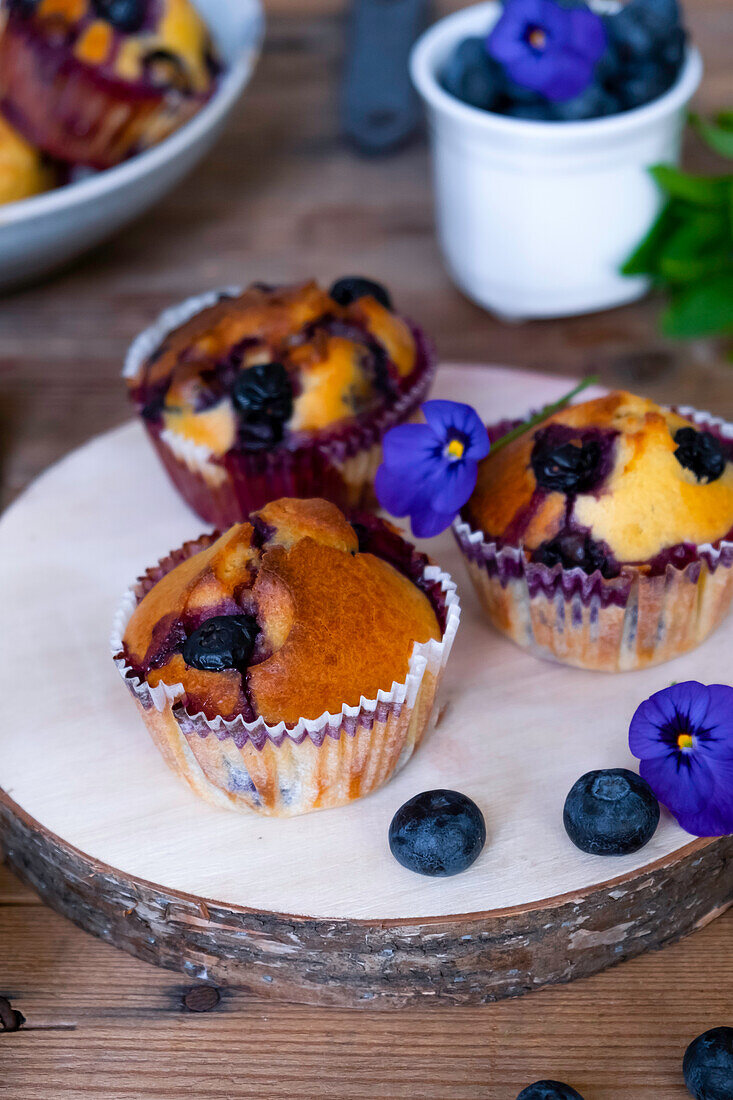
[
  {"x": 684, "y": 741},
  {"x": 537, "y": 38},
  {"x": 455, "y": 449}
]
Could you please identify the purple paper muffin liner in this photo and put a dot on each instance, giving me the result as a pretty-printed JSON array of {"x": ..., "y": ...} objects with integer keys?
[
  {"x": 282, "y": 770},
  {"x": 606, "y": 624},
  {"x": 338, "y": 464}
]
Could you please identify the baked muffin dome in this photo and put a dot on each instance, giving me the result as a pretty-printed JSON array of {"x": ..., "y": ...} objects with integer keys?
[
  {"x": 92, "y": 81},
  {"x": 292, "y": 663},
  {"x": 603, "y": 537},
  {"x": 252, "y": 372},
  {"x": 606, "y": 484},
  {"x": 23, "y": 172},
  {"x": 303, "y": 622},
  {"x": 277, "y": 391}
]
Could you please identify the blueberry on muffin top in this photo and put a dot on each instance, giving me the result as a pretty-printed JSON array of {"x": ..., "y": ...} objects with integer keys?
[
  {"x": 257, "y": 371},
  {"x": 284, "y": 617},
  {"x": 611, "y": 482}
]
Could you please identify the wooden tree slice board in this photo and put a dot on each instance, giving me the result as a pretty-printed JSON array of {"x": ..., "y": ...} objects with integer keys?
[{"x": 315, "y": 908}]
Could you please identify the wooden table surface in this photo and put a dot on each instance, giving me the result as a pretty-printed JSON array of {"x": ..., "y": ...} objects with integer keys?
[{"x": 281, "y": 198}]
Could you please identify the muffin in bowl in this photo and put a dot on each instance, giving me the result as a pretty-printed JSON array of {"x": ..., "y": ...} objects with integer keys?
[
  {"x": 91, "y": 82},
  {"x": 603, "y": 537},
  {"x": 290, "y": 664},
  {"x": 277, "y": 391},
  {"x": 24, "y": 172}
]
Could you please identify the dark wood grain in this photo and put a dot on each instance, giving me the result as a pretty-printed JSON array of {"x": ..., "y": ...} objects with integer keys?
[{"x": 281, "y": 198}]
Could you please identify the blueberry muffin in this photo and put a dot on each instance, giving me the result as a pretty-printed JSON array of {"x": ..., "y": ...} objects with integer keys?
[
  {"x": 603, "y": 538},
  {"x": 277, "y": 391},
  {"x": 23, "y": 170},
  {"x": 290, "y": 664},
  {"x": 91, "y": 82}
]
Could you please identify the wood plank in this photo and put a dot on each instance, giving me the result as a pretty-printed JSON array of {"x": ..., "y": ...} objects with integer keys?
[{"x": 621, "y": 1033}]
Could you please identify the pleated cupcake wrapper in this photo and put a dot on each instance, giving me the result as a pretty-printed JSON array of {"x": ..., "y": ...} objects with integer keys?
[
  {"x": 115, "y": 120},
  {"x": 283, "y": 770},
  {"x": 624, "y": 622},
  {"x": 339, "y": 465}
]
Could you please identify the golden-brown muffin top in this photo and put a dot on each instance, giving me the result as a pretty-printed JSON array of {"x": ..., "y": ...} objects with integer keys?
[
  {"x": 311, "y": 622},
  {"x": 636, "y": 478},
  {"x": 257, "y": 370},
  {"x": 159, "y": 44},
  {"x": 23, "y": 171}
]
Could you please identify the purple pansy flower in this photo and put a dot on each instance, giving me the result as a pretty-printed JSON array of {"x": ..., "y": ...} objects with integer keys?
[
  {"x": 683, "y": 737},
  {"x": 429, "y": 470},
  {"x": 548, "y": 48}
]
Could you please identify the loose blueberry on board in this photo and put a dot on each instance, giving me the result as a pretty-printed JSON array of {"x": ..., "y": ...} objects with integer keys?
[
  {"x": 263, "y": 398},
  {"x": 438, "y": 833},
  {"x": 576, "y": 550},
  {"x": 611, "y": 813},
  {"x": 567, "y": 467},
  {"x": 549, "y": 1090},
  {"x": 124, "y": 15},
  {"x": 708, "y": 1065},
  {"x": 700, "y": 452},
  {"x": 352, "y": 287},
  {"x": 222, "y": 642}
]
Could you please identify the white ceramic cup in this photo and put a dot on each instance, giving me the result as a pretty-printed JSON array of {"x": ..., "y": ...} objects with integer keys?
[{"x": 536, "y": 218}]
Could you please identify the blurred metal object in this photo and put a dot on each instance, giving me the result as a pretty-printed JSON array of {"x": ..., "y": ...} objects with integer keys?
[{"x": 379, "y": 108}]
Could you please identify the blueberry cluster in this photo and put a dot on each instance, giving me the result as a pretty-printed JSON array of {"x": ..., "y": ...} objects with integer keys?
[{"x": 645, "y": 50}]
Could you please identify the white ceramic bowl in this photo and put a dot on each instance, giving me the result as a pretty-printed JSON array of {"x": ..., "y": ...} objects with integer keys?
[
  {"x": 39, "y": 234},
  {"x": 536, "y": 218}
]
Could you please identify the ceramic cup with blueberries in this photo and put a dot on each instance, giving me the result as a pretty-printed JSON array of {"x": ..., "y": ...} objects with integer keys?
[{"x": 545, "y": 117}]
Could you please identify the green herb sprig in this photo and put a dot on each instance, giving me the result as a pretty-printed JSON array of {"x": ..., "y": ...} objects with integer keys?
[
  {"x": 689, "y": 250},
  {"x": 543, "y": 414}
]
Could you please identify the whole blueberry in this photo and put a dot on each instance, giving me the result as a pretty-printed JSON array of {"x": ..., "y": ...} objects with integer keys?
[
  {"x": 577, "y": 550},
  {"x": 472, "y": 76},
  {"x": 352, "y": 287},
  {"x": 124, "y": 15},
  {"x": 262, "y": 396},
  {"x": 437, "y": 833},
  {"x": 593, "y": 102},
  {"x": 701, "y": 453},
  {"x": 549, "y": 1090},
  {"x": 708, "y": 1065},
  {"x": 611, "y": 813},
  {"x": 566, "y": 467},
  {"x": 659, "y": 16},
  {"x": 642, "y": 83},
  {"x": 629, "y": 36},
  {"x": 220, "y": 643}
]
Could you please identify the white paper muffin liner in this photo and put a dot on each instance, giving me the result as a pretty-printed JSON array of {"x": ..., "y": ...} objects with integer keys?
[
  {"x": 285, "y": 770},
  {"x": 338, "y": 464},
  {"x": 618, "y": 624}
]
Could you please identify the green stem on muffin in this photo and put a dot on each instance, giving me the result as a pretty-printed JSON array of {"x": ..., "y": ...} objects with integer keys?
[{"x": 543, "y": 414}]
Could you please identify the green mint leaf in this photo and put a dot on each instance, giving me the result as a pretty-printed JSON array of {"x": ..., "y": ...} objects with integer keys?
[
  {"x": 718, "y": 137},
  {"x": 700, "y": 246},
  {"x": 703, "y": 309},
  {"x": 645, "y": 260},
  {"x": 697, "y": 190}
]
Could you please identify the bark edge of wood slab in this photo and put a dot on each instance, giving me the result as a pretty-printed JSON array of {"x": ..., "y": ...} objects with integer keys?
[{"x": 466, "y": 959}]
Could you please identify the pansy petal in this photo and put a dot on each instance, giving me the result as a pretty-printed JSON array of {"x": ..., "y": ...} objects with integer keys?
[
  {"x": 711, "y": 820},
  {"x": 455, "y": 485},
  {"x": 682, "y": 788},
  {"x": 427, "y": 522},
  {"x": 567, "y": 75},
  {"x": 691, "y": 699},
  {"x": 450, "y": 418},
  {"x": 645, "y": 734},
  {"x": 395, "y": 492},
  {"x": 409, "y": 445},
  {"x": 719, "y": 716},
  {"x": 587, "y": 34}
]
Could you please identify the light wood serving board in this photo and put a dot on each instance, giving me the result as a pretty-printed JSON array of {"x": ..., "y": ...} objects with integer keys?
[{"x": 315, "y": 908}]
